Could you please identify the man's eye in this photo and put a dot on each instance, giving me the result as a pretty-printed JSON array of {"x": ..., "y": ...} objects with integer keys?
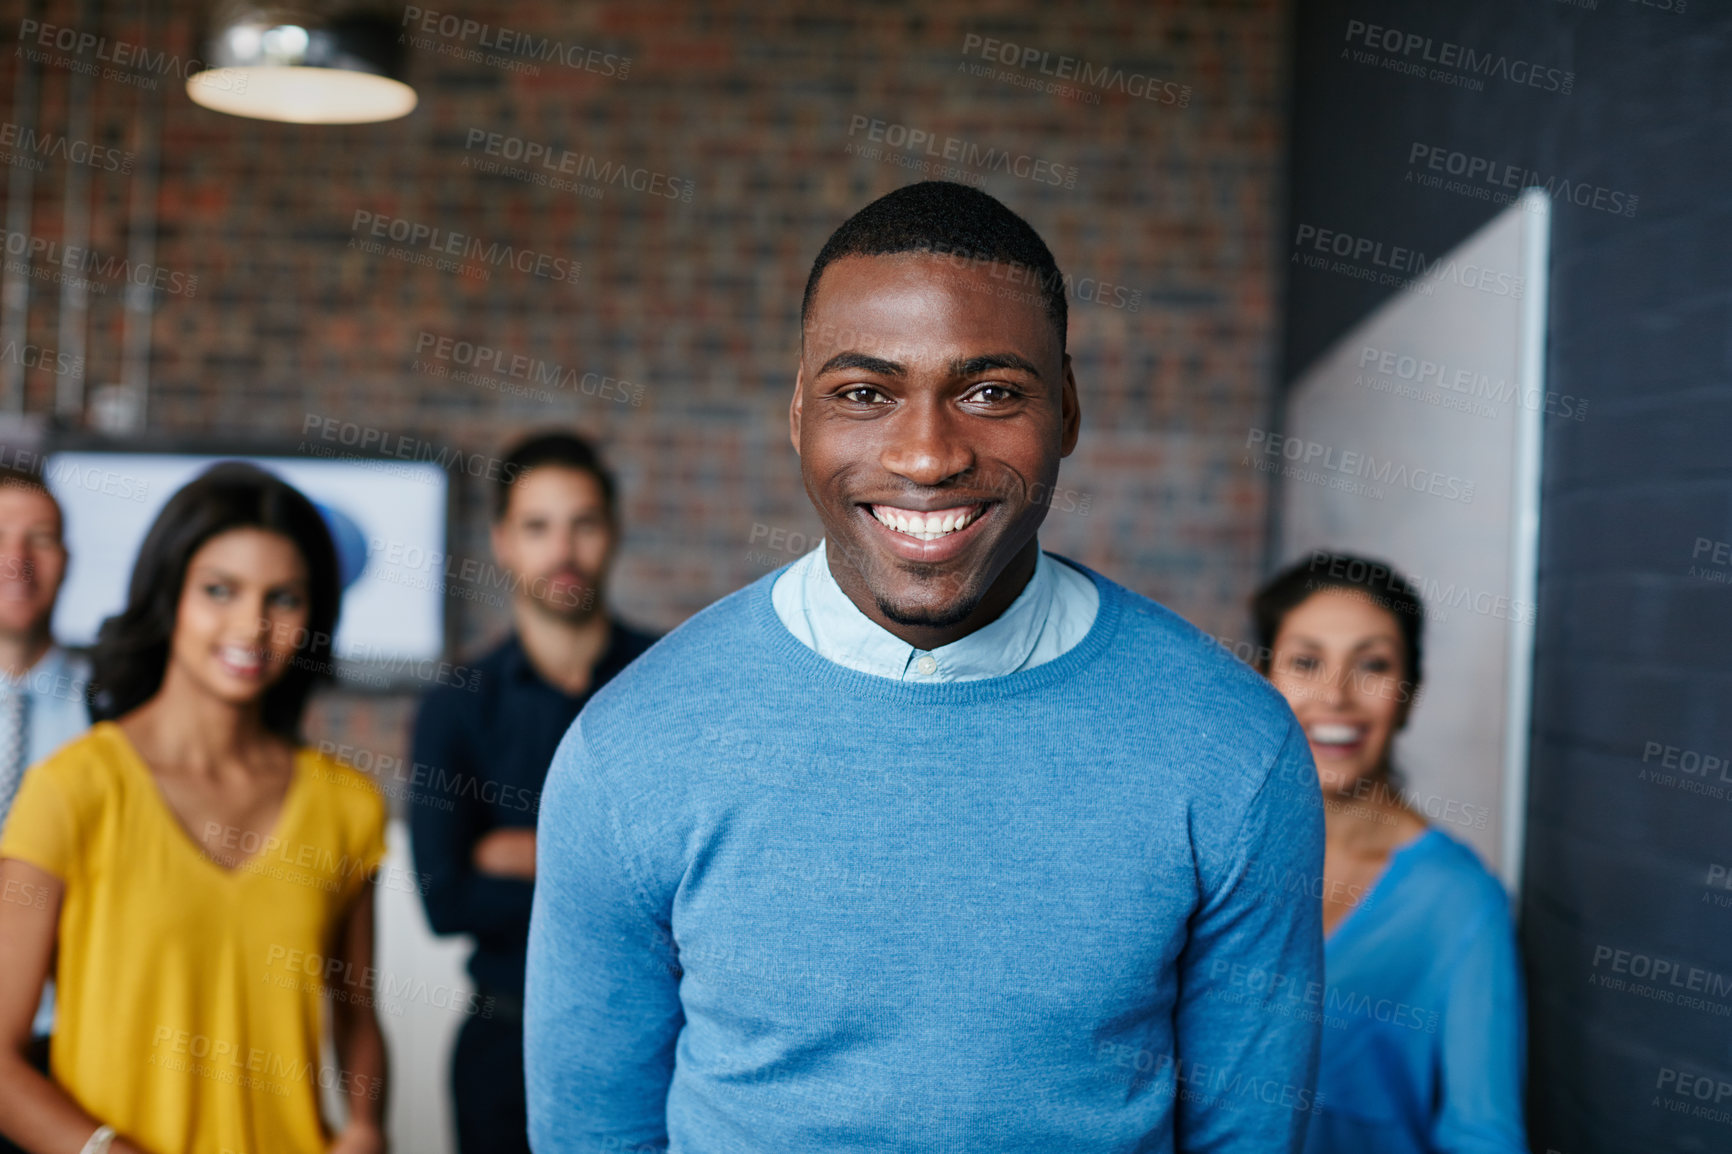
[
  {"x": 853, "y": 394},
  {"x": 1005, "y": 393}
]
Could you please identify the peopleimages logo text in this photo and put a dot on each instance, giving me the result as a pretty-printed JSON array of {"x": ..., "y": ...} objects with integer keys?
[
  {"x": 1512, "y": 178},
  {"x": 1356, "y": 464},
  {"x": 509, "y": 42},
  {"x": 132, "y": 63},
  {"x": 72, "y": 151},
  {"x": 83, "y": 259},
  {"x": 580, "y": 165},
  {"x": 1408, "y": 263},
  {"x": 963, "y": 152},
  {"x": 1138, "y": 85},
  {"x": 1417, "y": 50},
  {"x": 415, "y": 234},
  {"x": 491, "y": 359}
]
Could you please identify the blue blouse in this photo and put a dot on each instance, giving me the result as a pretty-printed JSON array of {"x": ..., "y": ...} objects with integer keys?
[{"x": 1424, "y": 1033}]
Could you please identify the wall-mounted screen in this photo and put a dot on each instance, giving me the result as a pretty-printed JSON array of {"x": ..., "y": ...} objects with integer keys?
[{"x": 392, "y": 617}]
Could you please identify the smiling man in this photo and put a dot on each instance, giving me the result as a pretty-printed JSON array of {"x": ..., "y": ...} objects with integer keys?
[
  {"x": 42, "y": 686},
  {"x": 929, "y": 841}
]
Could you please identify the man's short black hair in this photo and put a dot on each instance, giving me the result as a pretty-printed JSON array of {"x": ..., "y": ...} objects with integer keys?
[
  {"x": 951, "y": 220},
  {"x": 560, "y": 449}
]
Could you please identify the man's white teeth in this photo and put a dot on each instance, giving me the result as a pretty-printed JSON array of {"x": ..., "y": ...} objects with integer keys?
[
  {"x": 926, "y": 527},
  {"x": 1334, "y": 733}
]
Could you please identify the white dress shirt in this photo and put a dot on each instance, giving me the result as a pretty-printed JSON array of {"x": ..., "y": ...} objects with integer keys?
[{"x": 1052, "y": 613}]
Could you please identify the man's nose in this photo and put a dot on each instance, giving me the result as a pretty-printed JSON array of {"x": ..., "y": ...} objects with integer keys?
[{"x": 925, "y": 446}]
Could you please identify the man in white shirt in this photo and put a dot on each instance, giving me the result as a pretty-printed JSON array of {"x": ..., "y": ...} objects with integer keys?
[{"x": 43, "y": 689}]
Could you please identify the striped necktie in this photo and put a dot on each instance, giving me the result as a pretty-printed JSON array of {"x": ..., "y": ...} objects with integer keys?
[{"x": 14, "y": 741}]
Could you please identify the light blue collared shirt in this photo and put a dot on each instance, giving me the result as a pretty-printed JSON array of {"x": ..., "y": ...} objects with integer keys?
[
  {"x": 1052, "y": 613},
  {"x": 55, "y": 713},
  {"x": 56, "y": 706}
]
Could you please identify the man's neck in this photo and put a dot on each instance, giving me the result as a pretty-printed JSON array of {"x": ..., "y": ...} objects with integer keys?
[
  {"x": 19, "y": 652},
  {"x": 565, "y": 653}
]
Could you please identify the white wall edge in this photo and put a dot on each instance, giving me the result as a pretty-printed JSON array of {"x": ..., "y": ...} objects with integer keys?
[{"x": 1535, "y": 204}]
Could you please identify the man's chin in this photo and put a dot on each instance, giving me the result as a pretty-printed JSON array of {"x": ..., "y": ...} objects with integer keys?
[
  {"x": 936, "y": 597},
  {"x": 19, "y": 624},
  {"x": 574, "y": 610},
  {"x": 941, "y": 616}
]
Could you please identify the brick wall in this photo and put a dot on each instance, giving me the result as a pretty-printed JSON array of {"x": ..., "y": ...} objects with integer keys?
[{"x": 757, "y": 105}]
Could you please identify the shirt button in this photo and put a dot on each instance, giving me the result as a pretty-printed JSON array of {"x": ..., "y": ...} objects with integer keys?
[{"x": 927, "y": 665}]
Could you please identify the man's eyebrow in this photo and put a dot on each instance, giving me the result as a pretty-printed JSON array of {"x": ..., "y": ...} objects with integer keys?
[
  {"x": 870, "y": 364},
  {"x": 974, "y": 366}
]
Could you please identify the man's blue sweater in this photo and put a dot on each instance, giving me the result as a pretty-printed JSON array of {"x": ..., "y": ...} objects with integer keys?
[{"x": 784, "y": 906}]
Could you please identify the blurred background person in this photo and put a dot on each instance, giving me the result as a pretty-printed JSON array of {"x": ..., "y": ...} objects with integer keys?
[
  {"x": 555, "y": 530},
  {"x": 1424, "y": 1026},
  {"x": 43, "y": 688},
  {"x": 199, "y": 878}
]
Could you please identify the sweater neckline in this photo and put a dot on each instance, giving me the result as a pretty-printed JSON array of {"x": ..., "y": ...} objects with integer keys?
[{"x": 825, "y": 674}]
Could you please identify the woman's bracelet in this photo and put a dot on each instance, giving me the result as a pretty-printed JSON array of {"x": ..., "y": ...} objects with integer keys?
[{"x": 99, "y": 1142}]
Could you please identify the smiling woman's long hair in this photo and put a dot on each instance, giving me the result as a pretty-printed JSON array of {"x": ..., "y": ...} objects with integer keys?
[{"x": 132, "y": 648}]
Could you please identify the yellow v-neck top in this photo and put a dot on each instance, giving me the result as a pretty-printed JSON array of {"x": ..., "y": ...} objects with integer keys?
[{"x": 189, "y": 996}]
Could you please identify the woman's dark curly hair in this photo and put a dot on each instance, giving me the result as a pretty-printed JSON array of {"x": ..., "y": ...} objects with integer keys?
[{"x": 131, "y": 653}]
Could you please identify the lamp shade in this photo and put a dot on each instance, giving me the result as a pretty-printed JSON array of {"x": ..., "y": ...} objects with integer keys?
[{"x": 302, "y": 64}]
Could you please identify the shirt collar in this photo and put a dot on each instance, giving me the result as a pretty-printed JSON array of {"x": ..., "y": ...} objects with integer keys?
[
  {"x": 853, "y": 639},
  {"x": 517, "y": 667},
  {"x": 48, "y": 667}
]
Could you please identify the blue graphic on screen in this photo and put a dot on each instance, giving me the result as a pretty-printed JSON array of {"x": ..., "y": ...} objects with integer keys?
[{"x": 351, "y": 543}]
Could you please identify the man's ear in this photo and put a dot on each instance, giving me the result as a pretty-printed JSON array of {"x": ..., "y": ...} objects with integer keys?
[
  {"x": 794, "y": 408},
  {"x": 1071, "y": 408}
]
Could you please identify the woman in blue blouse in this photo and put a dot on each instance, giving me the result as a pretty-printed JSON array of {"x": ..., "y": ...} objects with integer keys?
[{"x": 1423, "y": 1020}]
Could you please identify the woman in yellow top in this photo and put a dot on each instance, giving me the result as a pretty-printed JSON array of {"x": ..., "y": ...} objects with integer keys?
[{"x": 200, "y": 881}]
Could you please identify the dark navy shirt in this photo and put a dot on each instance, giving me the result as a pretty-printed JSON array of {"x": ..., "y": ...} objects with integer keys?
[{"x": 485, "y": 755}]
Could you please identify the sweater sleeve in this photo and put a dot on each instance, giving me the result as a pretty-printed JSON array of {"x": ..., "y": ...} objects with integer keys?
[
  {"x": 602, "y": 1010},
  {"x": 445, "y": 822},
  {"x": 1483, "y": 1044},
  {"x": 1246, "y": 1075}
]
